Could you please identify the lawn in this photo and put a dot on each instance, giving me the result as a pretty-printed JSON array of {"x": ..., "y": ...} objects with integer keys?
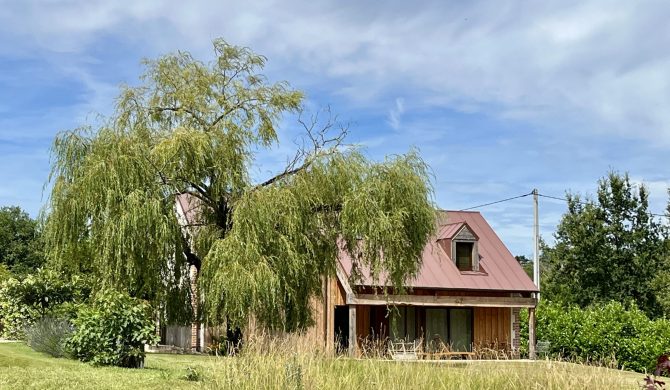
[{"x": 22, "y": 368}]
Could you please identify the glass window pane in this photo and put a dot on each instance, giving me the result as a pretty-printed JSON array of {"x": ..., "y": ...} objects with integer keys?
[
  {"x": 398, "y": 330},
  {"x": 460, "y": 327},
  {"x": 411, "y": 323},
  {"x": 464, "y": 255},
  {"x": 436, "y": 329}
]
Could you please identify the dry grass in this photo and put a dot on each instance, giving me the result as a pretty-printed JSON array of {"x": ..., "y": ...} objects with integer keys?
[{"x": 290, "y": 363}]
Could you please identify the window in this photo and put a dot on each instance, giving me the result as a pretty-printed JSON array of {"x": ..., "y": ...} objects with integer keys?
[
  {"x": 464, "y": 255},
  {"x": 449, "y": 328},
  {"x": 437, "y": 329},
  {"x": 403, "y": 323},
  {"x": 460, "y": 329}
]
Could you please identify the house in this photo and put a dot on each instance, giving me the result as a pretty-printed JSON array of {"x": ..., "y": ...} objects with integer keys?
[{"x": 467, "y": 293}]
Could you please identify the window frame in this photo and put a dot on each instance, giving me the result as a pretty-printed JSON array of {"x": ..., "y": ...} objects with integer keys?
[{"x": 474, "y": 256}]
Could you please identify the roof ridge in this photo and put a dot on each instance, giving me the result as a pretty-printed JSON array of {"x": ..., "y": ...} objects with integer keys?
[{"x": 460, "y": 211}]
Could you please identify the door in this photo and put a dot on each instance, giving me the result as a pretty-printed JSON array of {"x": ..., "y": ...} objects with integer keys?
[
  {"x": 437, "y": 333},
  {"x": 342, "y": 328},
  {"x": 460, "y": 329}
]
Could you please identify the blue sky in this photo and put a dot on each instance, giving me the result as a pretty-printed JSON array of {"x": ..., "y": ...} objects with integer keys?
[{"x": 500, "y": 97}]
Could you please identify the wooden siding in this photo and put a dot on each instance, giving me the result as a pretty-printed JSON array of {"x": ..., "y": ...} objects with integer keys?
[
  {"x": 340, "y": 296},
  {"x": 323, "y": 311},
  {"x": 492, "y": 326},
  {"x": 363, "y": 329}
]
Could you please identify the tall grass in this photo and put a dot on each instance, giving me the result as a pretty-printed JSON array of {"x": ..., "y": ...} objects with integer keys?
[{"x": 294, "y": 362}]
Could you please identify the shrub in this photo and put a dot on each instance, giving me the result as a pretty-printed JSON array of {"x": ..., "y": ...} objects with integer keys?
[
  {"x": 22, "y": 302},
  {"x": 49, "y": 335},
  {"x": 192, "y": 374},
  {"x": 605, "y": 332},
  {"x": 112, "y": 330},
  {"x": 5, "y": 273}
]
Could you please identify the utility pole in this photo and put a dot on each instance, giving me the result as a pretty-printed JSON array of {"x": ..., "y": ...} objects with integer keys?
[
  {"x": 536, "y": 250},
  {"x": 536, "y": 277}
]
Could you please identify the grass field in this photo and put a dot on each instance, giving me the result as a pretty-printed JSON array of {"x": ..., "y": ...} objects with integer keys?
[{"x": 22, "y": 368}]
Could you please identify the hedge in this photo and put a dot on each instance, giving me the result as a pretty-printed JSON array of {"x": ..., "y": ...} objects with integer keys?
[{"x": 608, "y": 332}]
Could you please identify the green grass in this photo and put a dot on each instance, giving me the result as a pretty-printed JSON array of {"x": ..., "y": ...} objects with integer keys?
[{"x": 22, "y": 368}]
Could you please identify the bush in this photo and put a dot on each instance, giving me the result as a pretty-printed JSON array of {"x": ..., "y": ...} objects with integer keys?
[
  {"x": 49, "y": 335},
  {"x": 606, "y": 332},
  {"x": 5, "y": 273},
  {"x": 22, "y": 302},
  {"x": 113, "y": 331}
]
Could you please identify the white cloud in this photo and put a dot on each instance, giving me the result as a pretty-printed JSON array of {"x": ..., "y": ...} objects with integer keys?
[
  {"x": 563, "y": 68},
  {"x": 593, "y": 66},
  {"x": 395, "y": 113}
]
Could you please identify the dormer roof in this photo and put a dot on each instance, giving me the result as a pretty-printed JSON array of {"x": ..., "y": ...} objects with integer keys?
[{"x": 456, "y": 230}]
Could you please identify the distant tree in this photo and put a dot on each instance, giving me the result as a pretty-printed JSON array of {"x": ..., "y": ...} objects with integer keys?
[
  {"x": 661, "y": 280},
  {"x": 20, "y": 243},
  {"x": 526, "y": 264},
  {"x": 262, "y": 246},
  {"x": 608, "y": 249}
]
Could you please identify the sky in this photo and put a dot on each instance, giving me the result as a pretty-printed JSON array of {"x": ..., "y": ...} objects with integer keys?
[{"x": 499, "y": 97}]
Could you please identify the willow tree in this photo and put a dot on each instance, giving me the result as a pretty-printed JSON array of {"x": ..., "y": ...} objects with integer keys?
[{"x": 260, "y": 247}]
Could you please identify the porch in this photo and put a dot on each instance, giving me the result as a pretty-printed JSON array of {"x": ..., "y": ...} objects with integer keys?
[{"x": 428, "y": 332}]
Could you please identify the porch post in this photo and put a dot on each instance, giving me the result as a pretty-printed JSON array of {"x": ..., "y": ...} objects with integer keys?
[
  {"x": 531, "y": 333},
  {"x": 353, "y": 339}
]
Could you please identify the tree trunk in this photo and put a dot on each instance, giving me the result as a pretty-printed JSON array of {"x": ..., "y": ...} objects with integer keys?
[{"x": 194, "y": 272}]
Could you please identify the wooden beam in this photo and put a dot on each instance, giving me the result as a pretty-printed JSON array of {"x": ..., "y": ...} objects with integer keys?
[
  {"x": 342, "y": 277},
  {"x": 428, "y": 300},
  {"x": 353, "y": 339},
  {"x": 330, "y": 320},
  {"x": 531, "y": 333}
]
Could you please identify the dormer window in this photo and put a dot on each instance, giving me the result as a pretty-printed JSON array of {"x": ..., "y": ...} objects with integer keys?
[
  {"x": 461, "y": 244},
  {"x": 464, "y": 249},
  {"x": 464, "y": 255}
]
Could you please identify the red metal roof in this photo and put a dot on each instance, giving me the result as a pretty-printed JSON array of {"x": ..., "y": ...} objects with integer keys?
[
  {"x": 499, "y": 269},
  {"x": 190, "y": 206}
]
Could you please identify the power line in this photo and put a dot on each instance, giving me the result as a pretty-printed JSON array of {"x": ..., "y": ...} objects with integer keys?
[
  {"x": 586, "y": 203},
  {"x": 544, "y": 196},
  {"x": 497, "y": 201}
]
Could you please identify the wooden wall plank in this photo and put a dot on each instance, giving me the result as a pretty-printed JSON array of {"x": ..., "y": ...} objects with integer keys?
[{"x": 492, "y": 326}]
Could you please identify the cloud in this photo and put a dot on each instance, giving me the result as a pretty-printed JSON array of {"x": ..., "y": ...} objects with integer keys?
[
  {"x": 592, "y": 66},
  {"x": 504, "y": 96},
  {"x": 395, "y": 113}
]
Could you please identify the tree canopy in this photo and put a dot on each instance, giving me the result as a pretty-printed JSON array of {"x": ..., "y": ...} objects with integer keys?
[
  {"x": 259, "y": 246},
  {"x": 20, "y": 244},
  {"x": 608, "y": 249}
]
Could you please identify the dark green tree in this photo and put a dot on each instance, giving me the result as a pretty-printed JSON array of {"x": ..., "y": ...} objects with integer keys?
[
  {"x": 608, "y": 249},
  {"x": 257, "y": 247},
  {"x": 661, "y": 280},
  {"x": 526, "y": 264},
  {"x": 20, "y": 243}
]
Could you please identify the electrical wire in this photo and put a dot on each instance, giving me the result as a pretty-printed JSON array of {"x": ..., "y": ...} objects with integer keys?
[
  {"x": 497, "y": 201},
  {"x": 544, "y": 196},
  {"x": 585, "y": 203}
]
